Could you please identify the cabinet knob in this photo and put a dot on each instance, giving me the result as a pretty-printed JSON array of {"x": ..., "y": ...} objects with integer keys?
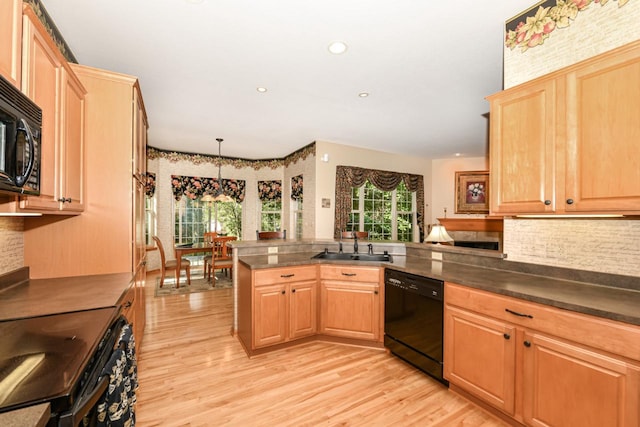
[
  {"x": 284, "y": 292},
  {"x": 62, "y": 199},
  {"x": 506, "y": 336},
  {"x": 569, "y": 201},
  {"x": 527, "y": 343},
  {"x": 293, "y": 291},
  {"x": 547, "y": 202},
  {"x": 375, "y": 292}
]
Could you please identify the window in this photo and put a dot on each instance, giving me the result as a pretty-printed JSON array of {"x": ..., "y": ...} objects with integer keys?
[
  {"x": 296, "y": 206},
  {"x": 386, "y": 215},
  {"x": 270, "y": 215},
  {"x": 194, "y": 217},
  {"x": 150, "y": 220}
]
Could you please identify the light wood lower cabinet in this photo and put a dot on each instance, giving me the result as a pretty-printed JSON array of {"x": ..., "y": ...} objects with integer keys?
[
  {"x": 281, "y": 305},
  {"x": 284, "y": 305},
  {"x": 540, "y": 365},
  {"x": 351, "y": 302}
]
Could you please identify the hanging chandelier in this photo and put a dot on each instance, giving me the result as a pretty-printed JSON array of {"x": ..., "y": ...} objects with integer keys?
[{"x": 218, "y": 194}]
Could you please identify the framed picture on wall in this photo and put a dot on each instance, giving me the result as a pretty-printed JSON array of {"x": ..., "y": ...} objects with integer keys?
[{"x": 472, "y": 192}]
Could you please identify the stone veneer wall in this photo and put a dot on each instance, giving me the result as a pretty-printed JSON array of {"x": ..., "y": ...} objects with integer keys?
[
  {"x": 596, "y": 29},
  {"x": 11, "y": 244},
  {"x": 605, "y": 246}
]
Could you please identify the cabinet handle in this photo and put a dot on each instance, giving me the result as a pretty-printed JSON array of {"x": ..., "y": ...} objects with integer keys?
[
  {"x": 527, "y": 343},
  {"x": 293, "y": 291},
  {"x": 569, "y": 201},
  {"x": 349, "y": 274},
  {"x": 518, "y": 314},
  {"x": 375, "y": 292},
  {"x": 128, "y": 304},
  {"x": 286, "y": 276},
  {"x": 69, "y": 199},
  {"x": 284, "y": 292},
  {"x": 506, "y": 336},
  {"x": 547, "y": 202}
]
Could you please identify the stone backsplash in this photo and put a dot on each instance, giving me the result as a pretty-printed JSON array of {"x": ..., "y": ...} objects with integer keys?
[
  {"x": 606, "y": 246},
  {"x": 11, "y": 244}
]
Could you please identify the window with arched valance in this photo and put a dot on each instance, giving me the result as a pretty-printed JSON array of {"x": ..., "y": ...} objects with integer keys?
[
  {"x": 348, "y": 177},
  {"x": 195, "y": 187}
]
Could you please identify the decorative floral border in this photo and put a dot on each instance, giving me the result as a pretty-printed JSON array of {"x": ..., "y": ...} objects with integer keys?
[
  {"x": 529, "y": 30},
  {"x": 195, "y": 187},
  {"x": 238, "y": 163},
  {"x": 50, "y": 26}
]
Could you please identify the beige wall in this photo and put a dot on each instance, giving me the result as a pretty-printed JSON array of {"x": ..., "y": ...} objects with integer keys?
[
  {"x": 443, "y": 184},
  {"x": 343, "y": 155}
]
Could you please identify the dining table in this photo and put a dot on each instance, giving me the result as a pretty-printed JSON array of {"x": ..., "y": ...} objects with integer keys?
[{"x": 206, "y": 248}]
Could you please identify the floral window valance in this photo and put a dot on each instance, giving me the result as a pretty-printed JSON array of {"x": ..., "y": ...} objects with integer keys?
[
  {"x": 194, "y": 187},
  {"x": 150, "y": 184},
  {"x": 296, "y": 187},
  {"x": 270, "y": 191},
  {"x": 348, "y": 177}
]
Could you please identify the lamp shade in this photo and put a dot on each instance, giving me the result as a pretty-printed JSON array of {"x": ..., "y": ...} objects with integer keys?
[{"x": 438, "y": 234}]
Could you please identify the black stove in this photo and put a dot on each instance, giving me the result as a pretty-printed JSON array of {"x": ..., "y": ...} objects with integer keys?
[{"x": 49, "y": 358}]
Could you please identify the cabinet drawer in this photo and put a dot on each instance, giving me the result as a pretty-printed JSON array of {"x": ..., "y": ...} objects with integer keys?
[
  {"x": 271, "y": 276},
  {"x": 350, "y": 273},
  {"x": 608, "y": 335}
]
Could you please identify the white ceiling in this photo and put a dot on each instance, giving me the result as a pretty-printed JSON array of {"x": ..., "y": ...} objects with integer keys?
[{"x": 427, "y": 65}]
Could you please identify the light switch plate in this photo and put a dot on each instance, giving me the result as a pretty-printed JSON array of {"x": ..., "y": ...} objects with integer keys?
[
  {"x": 436, "y": 256},
  {"x": 272, "y": 250}
]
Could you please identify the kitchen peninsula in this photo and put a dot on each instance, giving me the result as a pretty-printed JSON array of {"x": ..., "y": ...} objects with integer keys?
[{"x": 552, "y": 317}]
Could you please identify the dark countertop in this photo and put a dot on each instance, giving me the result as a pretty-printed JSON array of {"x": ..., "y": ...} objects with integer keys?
[
  {"x": 589, "y": 298},
  {"x": 40, "y": 297}
]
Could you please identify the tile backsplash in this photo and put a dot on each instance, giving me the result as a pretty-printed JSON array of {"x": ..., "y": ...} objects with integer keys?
[{"x": 11, "y": 244}]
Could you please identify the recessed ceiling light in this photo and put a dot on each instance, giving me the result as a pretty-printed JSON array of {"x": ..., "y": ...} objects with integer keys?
[
  {"x": 261, "y": 89},
  {"x": 458, "y": 154},
  {"x": 337, "y": 47},
  {"x": 363, "y": 94}
]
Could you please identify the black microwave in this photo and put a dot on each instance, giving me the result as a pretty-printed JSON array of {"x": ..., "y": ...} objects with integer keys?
[{"x": 20, "y": 144}]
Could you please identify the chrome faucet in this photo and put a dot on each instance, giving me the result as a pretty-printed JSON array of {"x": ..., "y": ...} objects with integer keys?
[
  {"x": 370, "y": 249},
  {"x": 355, "y": 242}
]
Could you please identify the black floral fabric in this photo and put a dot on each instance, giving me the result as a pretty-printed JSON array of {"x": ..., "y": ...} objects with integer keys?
[
  {"x": 270, "y": 191},
  {"x": 296, "y": 187},
  {"x": 117, "y": 407},
  {"x": 150, "y": 184},
  {"x": 195, "y": 187}
]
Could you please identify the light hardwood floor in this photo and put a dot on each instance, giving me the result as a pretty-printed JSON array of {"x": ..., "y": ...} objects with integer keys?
[{"x": 192, "y": 372}]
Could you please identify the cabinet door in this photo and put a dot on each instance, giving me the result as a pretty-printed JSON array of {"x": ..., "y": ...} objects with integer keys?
[
  {"x": 480, "y": 357},
  {"x": 523, "y": 127},
  {"x": 566, "y": 385},
  {"x": 10, "y": 40},
  {"x": 603, "y": 135},
  {"x": 302, "y": 309},
  {"x": 72, "y": 141},
  {"x": 350, "y": 309},
  {"x": 41, "y": 82},
  {"x": 270, "y": 315}
]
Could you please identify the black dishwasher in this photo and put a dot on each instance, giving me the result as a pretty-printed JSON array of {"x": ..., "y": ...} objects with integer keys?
[{"x": 413, "y": 323}]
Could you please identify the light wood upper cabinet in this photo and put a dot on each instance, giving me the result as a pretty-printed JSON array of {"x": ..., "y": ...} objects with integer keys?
[
  {"x": 50, "y": 83},
  {"x": 10, "y": 40},
  {"x": 569, "y": 142}
]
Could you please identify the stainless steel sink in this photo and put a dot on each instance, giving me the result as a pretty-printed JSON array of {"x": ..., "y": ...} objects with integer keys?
[{"x": 385, "y": 257}]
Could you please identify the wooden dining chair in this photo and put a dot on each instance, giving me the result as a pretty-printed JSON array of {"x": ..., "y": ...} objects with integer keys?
[
  {"x": 222, "y": 259},
  {"x": 353, "y": 234},
  {"x": 208, "y": 239},
  {"x": 267, "y": 235},
  {"x": 172, "y": 264}
]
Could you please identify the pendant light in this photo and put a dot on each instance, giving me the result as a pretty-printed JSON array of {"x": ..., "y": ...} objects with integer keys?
[{"x": 218, "y": 194}]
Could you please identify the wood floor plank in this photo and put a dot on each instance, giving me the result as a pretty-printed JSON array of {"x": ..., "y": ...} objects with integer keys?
[{"x": 192, "y": 372}]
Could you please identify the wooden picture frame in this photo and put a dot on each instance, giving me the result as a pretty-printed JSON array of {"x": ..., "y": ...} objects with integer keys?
[{"x": 472, "y": 192}]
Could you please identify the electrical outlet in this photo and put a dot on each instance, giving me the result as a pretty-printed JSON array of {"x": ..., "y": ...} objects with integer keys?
[
  {"x": 272, "y": 250},
  {"x": 436, "y": 255}
]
